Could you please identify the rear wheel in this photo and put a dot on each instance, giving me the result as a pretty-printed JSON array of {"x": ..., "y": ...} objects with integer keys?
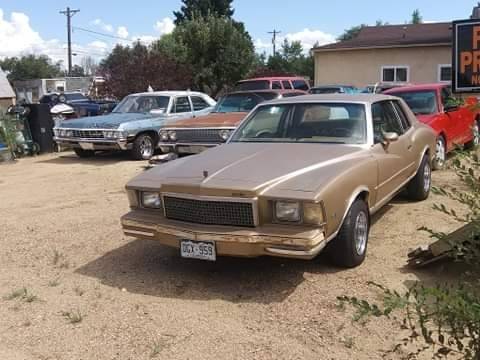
[
  {"x": 84, "y": 153},
  {"x": 143, "y": 147},
  {"x": 440, "y": 154},
  {"x": 476, "y": 136},
  {"x": 419, "y": 187},
  {"x": 349, "y": 247}
]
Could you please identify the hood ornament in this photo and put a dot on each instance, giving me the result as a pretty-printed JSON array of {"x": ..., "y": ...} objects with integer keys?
[{"x": 205, "y": 174}]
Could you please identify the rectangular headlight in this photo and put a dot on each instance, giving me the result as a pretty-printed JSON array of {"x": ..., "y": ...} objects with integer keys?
[
  {"x": 151, "y": 200},
  {"x": 289, "y": 211},
  {"x": 313, "y": 213}
]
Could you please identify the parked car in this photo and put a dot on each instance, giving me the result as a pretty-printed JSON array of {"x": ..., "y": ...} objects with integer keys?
[
  {"x": 134, "y": 123},
  {"x": 454, "y": 124},
  {"x": 334, "y": 89},
  {"x": 380, "y": 88},
  {"x": 299, "y": 175},
  {"x": 83, "y": 105},
  {"x": 192, "y": 136},
  {"x": 273, "y": 83}
]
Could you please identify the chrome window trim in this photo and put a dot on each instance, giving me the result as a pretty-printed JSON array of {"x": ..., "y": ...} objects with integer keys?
[
  {"x": 197, "y": 128},
  {"x": 252, "y": 201}
]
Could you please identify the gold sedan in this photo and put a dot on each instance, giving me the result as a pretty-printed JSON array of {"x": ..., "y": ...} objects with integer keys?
[{"x": 297, "y": 176}]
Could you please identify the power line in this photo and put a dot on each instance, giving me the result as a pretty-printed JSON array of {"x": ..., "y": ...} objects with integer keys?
[
  {"x": 69, "y": 14},
  {"x": 274, "y": 40},
  {"x": 99, "y": 33}
]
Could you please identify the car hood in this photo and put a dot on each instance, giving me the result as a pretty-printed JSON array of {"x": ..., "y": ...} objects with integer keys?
[
  {"x": 109, "y": 121},
  {"x": 212, "y": 120},
  {"x": 256, "y": 168}
]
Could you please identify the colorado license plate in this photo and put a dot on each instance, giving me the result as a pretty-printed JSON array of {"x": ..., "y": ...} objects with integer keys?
[
  {"x": 202, "y": 250},
  {"x": 86, "y": 146}
]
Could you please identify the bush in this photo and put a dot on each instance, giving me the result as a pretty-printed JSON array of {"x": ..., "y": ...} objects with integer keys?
[{"x": 442, "y": 318}]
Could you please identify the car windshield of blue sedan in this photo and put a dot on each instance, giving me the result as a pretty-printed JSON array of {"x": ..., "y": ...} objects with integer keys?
[
  {"x": 142, "y": 104},
  {"x": 421, "y": 102},
  {"x": 337, "y": 123},
  {"x": 241, "y": 102}
]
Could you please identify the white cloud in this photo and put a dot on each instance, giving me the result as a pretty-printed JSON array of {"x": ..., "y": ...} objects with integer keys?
[
  {"x": 164, "y": 26},
  {"x": 122, "y": 32},
  {"x": 309, "y": 38},
  {"x": 262, "y": 46},
  {"x": 102, "y": 25}
]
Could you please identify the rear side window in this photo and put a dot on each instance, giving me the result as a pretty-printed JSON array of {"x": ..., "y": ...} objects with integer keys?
[
  {"x": 276, "y": 85},
  {"x": 401, "y": 114},
  {"x": 286, "y": 84},
  {"x": 198, "y": 103},
  {"x": 300, "y": 85},
  {"x": 182, "y": 105}
]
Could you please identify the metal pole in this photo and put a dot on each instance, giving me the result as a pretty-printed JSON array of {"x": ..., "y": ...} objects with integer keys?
[
  {"x": 69, "y": 13},
  {"x": 274, "y": 40}
]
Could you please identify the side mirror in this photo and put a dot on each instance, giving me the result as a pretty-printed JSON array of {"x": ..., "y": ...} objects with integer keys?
[{"x": 389, "y": 137}]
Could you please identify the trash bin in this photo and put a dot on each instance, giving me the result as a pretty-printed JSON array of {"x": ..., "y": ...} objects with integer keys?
[{"x": 41, "y": 126}]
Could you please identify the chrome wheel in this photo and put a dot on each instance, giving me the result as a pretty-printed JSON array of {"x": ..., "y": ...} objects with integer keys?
[
  {"x": 440, "y": 153},
  {"x": 427, "y": 177},
  {"x": 476, "y": 134},
  {"x": 360, "y": 232},
  {"x": 146, "y": 147}
]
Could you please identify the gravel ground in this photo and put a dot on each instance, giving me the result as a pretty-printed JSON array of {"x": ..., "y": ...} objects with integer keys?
[{"x": 72, "y": 286}]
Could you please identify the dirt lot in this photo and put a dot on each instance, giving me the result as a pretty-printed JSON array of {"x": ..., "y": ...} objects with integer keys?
[{"x": 93, "y": 293}]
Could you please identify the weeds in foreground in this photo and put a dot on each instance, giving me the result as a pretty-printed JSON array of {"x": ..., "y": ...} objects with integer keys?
[
  {"x": 73, "y": 316},
  {"x": 58, "y": 259},
  {"x": 156, "y": 349},
  {"x": 54, "y": 282},
  {"x": 22, "y": 294}
]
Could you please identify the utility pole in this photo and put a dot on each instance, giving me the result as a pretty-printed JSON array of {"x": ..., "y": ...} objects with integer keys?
[
  {"x": 274, "y": 40},
  {"x": 69, "y": 13}
]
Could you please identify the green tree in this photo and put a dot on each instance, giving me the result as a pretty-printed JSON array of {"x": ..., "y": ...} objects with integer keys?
[
  {"x": 30, "y": 67},
  {"x": 416, "y": 17},
  {"x": 214, "y": 48},
  {"x": 351, "y": 33},
  {"x": 77, "y": 70},
  {"x": 202, "y": 8}
]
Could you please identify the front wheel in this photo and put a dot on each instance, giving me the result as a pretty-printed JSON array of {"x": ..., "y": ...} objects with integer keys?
[
  {"x": 440, "y": 154},
  {"x": 143, "y": 147},
  {"x": 349, "y": 247},
  {"x": 419, "y": 187}
]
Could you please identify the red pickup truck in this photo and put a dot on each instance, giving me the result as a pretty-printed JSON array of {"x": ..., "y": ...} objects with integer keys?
[{"x": 434, "y": 105}]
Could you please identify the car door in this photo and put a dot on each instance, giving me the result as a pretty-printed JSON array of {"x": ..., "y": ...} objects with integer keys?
[
  {"x": 457, "y": 120},
  {"x": 181, "y": 108},
  {"x": 200, "y": 106},
  {"x": 394, "y": 163}
]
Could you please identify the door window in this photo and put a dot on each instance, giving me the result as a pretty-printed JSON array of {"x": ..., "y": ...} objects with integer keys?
[
  {"x": 182, "y": 105},
  {"x": 300, "y": 85},
  {"x": 286, "y": 84},
  {"x": 401, "y": 114},
  {"x": 385, "y": 120},
  {"x": 276, "y": 85},
  {"x": 199, "y": 103}
]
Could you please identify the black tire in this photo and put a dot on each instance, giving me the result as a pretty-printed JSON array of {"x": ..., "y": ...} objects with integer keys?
[
  {"x": 84, "y": 153},
  {"x": 419, "y": 187},
  {"x": 440, "y": 154},
  {"x": 343, "y": 250},
  {"x": 143, "y": 147},
  {"x": 476, "y": 136}
]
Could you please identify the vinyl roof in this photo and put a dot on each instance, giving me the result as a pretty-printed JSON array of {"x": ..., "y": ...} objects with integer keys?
[
  {"x": 347, "y": 98},
  {"x": 396, "y": 36}
]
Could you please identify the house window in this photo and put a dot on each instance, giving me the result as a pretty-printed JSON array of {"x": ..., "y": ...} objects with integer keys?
[
  {"x": 445, "y": 73},
  {"x": 395, "y": 74}
]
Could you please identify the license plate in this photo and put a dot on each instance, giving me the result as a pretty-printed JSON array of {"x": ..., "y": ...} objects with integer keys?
[
  {"x": 202, "y": 250},
  {"x": 86, "y": 146}
]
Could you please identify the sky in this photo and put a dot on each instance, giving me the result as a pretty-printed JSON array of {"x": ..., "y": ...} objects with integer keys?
[{"x": 32, "y": 26}]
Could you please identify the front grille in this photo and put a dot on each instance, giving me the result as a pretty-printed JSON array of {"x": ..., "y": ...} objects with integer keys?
[
  {"x": 199, "y": 135},
  {"x": 88, "y": 134},
  {"x": 209, "y": 212}
]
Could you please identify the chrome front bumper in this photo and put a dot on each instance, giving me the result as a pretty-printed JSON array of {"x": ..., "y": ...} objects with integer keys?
[
  {"x": 96, "y": 144},
  {"x": 270, "y": 240},
  {"x": 185, "y": 148}
]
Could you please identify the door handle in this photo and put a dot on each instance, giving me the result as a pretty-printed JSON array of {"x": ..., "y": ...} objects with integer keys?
[{"x": 409, "y": 147}]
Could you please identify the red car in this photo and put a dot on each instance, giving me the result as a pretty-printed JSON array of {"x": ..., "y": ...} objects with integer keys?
[{"x": 434, "y": 105}]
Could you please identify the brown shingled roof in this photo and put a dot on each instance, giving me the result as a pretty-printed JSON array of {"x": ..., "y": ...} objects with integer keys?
[{"x": 396, "y": 35}]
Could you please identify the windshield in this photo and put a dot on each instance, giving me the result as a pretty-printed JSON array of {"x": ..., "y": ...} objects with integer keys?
[
  {"x": 142, "y": 104},
  {"x": 241, "y": 102},
  {"x": 339, "y": 123},
  {"x": 421, "y": 102},
  {"x": 253, "y": 85}
]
